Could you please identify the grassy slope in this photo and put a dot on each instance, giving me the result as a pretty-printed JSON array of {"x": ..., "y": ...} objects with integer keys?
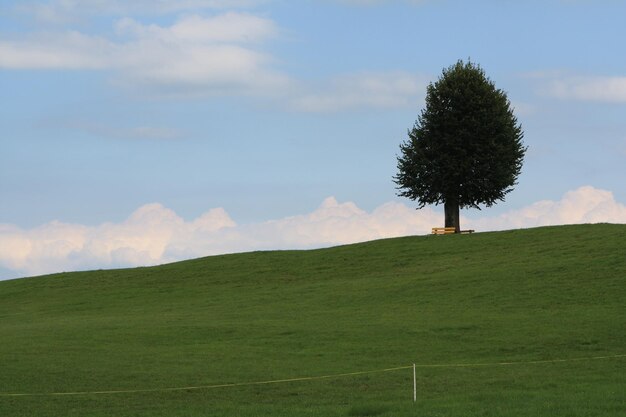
[{"x": 509, "y": 296}]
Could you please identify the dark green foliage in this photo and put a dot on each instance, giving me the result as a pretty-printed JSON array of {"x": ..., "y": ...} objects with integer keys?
[
  {"x": 546, "y": 293},
  {"x": 466, "y": 146}
]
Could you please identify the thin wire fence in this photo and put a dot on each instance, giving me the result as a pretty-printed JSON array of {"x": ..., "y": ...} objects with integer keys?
[{"x": 312, "y": 378}]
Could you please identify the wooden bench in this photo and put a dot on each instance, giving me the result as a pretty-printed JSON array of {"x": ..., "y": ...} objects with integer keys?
[
  {"x": 443, "y": 230},
  {"x": 449, "y": 231}
]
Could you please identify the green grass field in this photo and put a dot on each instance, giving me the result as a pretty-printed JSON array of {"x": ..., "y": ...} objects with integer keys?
[{"x": 519, "y": 296}]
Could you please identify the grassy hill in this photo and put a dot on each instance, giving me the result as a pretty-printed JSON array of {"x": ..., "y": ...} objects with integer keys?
[{"x": 518, "y": 296}]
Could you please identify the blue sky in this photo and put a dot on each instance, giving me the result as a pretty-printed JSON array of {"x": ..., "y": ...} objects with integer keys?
[{"x": 260, "y": 124}]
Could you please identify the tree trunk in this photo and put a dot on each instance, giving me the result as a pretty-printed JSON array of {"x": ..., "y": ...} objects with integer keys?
[{"x": 451, "y": 210}]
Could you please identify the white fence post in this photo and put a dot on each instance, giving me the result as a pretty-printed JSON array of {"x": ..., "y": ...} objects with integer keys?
[{"x": 414, "y": 385}]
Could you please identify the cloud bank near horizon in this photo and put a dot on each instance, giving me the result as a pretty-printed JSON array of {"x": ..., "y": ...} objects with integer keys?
[{"x": 154, "y": 234}]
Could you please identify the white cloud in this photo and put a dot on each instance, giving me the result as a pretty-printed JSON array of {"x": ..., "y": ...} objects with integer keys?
[
  {"x": 227, "y": 27},
  {"x": 393, "y": 89},
  {"x": 110, "y": 131},
  {"x": 377, "y": 2},
  {"x": 140, "y": 240},
  {"x": 154, "y": 234},
  {"x": 68, "y": 50},
  {"x": 583, "y": 88},
  {"x": 199, "y": 55},
  {"x": 64, "y": 11},
  {"x": 583, "y": 205},
  {"x": 522, "y": 108}
]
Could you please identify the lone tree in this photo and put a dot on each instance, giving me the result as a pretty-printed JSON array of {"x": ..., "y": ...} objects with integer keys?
[{"x": 465, "y": 148}]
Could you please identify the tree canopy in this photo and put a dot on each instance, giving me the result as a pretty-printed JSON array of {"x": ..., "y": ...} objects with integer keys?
[{"x": 465, "y": 149}]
